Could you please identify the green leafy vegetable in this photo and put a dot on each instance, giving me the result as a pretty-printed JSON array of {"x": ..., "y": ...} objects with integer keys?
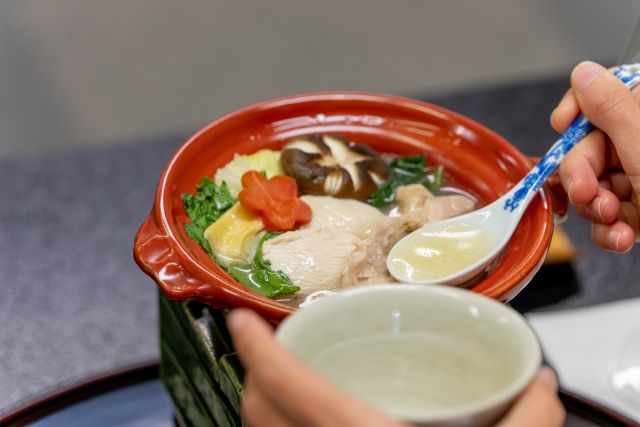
[
  {"x": 438, "y": 177},
  {"x": 204, "y": 208},
  {"x": 404, "y": 171},
  {"x": 260, "y": 276},
  {"x": 197, "y": 234}
]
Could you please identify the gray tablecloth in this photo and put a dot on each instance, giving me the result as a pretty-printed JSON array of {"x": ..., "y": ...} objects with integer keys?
[{"x": 73, "y": 303}]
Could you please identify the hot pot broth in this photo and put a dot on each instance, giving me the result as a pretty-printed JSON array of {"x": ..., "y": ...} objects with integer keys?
[{"x": 317, "y": 216}]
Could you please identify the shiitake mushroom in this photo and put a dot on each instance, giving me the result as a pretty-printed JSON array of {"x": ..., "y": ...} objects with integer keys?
[{"x": 331, "y": 165}]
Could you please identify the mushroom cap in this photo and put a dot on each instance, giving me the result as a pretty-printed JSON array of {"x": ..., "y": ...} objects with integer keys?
[{"x": 331, "y": 165}]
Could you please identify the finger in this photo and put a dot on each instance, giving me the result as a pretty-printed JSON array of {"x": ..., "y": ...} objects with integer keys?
[
  {"x": 283, "y": 379},
  {"x": 566, "y": 111},
  {"x": 538, "y": 406},
  {"x": 609, "y": 105},
  {"x": 602, "y": 209},
  {"x": 629, "y": 213},
  {"x": 580, "y": 169},
  {"x": 615, "y": 237},
  {"x": 249, "y": 333},
  {"x": 618, "y": 183},
  {"x": 257, "y": 410},
  {"x": 273, "y": 370}
]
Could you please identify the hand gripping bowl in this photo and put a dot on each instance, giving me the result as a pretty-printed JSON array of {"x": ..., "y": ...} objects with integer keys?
[{"x": 475, "y": 159}]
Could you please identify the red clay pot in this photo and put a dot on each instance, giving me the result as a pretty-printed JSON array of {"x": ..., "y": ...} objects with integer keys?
[{"x": 475, "y": 159}]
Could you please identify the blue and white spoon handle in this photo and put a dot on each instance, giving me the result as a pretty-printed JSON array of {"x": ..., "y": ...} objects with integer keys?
[{"x": 523, "y": 192}]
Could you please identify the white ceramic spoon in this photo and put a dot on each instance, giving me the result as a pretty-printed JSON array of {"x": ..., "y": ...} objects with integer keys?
[{"x": 456, "y": 250}]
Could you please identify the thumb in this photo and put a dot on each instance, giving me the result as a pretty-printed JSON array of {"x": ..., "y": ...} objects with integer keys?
[
  {"x": 538, "y": 406},
  {"x": 609, "y": 105}
]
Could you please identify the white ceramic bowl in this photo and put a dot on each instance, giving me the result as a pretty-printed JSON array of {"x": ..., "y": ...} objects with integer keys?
[{"x": 430, "y": 355}]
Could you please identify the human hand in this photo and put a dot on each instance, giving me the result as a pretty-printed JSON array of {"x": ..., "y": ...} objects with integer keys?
[
  {"x": 538, "y": 406},
  {"x": 281, "y": 391},
  {"x": 601, "y": 175}
]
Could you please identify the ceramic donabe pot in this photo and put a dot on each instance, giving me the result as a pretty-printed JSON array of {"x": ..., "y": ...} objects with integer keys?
[{"x": 475, "y": 159}]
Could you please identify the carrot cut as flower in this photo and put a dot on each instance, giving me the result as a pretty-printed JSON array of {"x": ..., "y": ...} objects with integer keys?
[{"x": 274, "y": 200}]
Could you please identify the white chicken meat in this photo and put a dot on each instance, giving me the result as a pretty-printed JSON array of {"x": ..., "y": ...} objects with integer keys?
[{"x": 314, "y": 256}]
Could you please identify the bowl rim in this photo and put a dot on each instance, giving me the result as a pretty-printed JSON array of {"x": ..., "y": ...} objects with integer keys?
[
  {"x": 235, "y": 293},
  {"x": 532, "y": 357}
]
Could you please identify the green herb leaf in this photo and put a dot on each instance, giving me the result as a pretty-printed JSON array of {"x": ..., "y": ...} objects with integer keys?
[
  {"x": 404, "y": 171},
  {"x": 197, "y": 234},
  {"x": 438, "y": 178},
  {"x": 274, "y": 282},
  {"x": 208, "y": 204},
  {"x": 260, "y": 276},
  {"x": 204, "y": 208}
]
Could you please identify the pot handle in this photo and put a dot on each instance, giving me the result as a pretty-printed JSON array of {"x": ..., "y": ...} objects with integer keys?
[
  {"x": 559, "y": 198},
  {"x": 155, "y": 255}
]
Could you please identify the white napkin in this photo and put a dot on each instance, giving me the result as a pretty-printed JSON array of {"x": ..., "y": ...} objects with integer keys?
[{"x": 586, "y": 347}]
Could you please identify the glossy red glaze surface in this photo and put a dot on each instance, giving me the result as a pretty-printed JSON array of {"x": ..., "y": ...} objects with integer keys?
[{"x": 475, "y": 159}]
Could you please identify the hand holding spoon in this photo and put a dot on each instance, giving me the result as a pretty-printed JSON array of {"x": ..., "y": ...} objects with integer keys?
[{"x": 454, "y": 251}]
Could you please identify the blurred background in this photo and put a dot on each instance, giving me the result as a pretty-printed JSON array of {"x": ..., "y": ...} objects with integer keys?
[{"x": 77, "y": 73}]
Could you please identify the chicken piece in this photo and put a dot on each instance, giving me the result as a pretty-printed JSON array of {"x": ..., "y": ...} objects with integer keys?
[
  {"x": 348, "y": 215},
  {"x": 315, "y": 255},
  {"x": 417, "y": 200},
  {"x": 368, "y": 263},
  {"x": 443, "y": 207},
  {"x": 412, "y": 196},
  {"x": 313, "y": 258}
]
